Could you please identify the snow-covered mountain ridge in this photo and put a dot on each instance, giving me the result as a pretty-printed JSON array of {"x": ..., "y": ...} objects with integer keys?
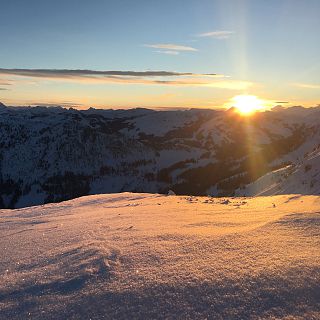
[{"x": 53, "y": 154}]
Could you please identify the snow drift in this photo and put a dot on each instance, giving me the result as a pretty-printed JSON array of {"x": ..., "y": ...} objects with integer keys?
[{"x": 135, "y": 256}]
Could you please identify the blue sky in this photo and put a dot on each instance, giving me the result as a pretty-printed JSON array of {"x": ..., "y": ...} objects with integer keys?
[{"x": 266, "y": 48}]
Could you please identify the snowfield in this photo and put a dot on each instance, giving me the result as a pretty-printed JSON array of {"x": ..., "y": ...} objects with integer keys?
[{"x": 150, "y": 256}]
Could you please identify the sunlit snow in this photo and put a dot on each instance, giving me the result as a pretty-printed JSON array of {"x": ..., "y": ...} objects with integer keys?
[{"x": 135, "y": 256}]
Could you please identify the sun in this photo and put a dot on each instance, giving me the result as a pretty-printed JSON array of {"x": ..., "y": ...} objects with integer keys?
[{"x": 246, "y": 104}]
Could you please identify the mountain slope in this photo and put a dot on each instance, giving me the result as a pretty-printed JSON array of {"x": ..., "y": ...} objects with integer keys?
[{"x": 55, "y": 154}]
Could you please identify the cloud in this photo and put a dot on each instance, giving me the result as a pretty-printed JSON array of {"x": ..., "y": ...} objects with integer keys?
[
  {"x": 2, "y": 89},
  {"x": 55, "y": 104},
  {"x": 5, "y": 82},
  {"x": 170, "y": 47},
  {"x": 58, "y": 73},
  {"x": 218, "y": 34},
  {"x": 281, "y": 102},
  {"x": 307, "y": 85},
  {"x": 170, "y": 52},
  {"x": 94, "y": 75},
  {"x": 231, "y": 84},
  {"x": 167, "y": 78}
]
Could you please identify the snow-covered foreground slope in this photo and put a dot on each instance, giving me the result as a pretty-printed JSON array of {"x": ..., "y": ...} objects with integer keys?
[{"x": 136, "y": 256}]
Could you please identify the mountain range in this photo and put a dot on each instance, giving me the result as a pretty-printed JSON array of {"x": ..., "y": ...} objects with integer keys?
[{"x": 52, "y": 154}]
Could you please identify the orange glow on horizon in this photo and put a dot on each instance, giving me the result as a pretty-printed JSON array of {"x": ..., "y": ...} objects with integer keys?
[{"x": 247, "y": 104}]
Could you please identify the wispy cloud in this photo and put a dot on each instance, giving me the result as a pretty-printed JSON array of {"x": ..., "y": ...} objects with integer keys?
[
  {"x": 231, "y": 84},
  {"x": 218, "y": 34},
  {"x": 307, "y": 85},
  {"x": 55, "y": 104},
  {"x": 169, "y": 52},
  {"x": 3, "y": 89},
  {"x": 52, "y": 73},
  {"x": 5, "y": 82},
  {"x": 167, "y": 78},
  {"x": 170, "y": 47}
]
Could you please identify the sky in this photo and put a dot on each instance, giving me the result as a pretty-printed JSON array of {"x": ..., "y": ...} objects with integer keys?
[{"x": 157, "y": 54}]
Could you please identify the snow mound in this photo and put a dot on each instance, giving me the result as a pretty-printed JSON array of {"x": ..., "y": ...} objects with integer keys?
[{"x": 149, "y": 256}]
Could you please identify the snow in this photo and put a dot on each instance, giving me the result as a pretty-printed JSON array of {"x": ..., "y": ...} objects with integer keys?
[
  {"x": 151, "y": 256},
  {"x": 143, "y": 150},
  {"x": 302, "y": 177}
]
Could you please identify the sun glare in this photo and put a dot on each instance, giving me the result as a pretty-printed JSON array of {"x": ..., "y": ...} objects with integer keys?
[{"x": 246, "y": 104}]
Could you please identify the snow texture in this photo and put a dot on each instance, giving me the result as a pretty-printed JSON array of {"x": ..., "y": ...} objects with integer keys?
[{"x": 151, "y": 256}]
